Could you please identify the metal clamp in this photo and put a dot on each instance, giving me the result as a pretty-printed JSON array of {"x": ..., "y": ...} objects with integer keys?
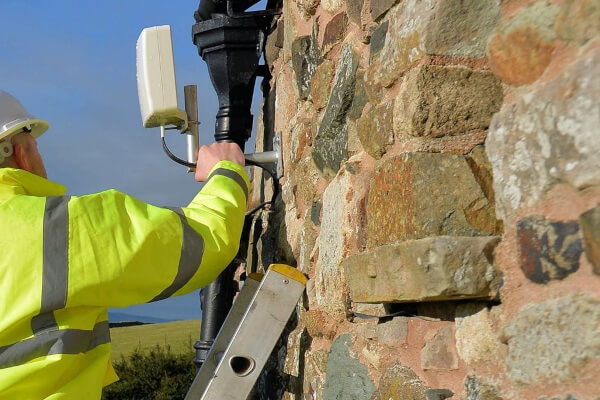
[{"x": 269, "y": 159}]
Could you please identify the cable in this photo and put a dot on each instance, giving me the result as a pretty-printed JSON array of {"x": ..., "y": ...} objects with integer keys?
[
  {"x": 275, "y": 188},
  {"x": 171, "y": 155},
  {"x": 248, "y": 162}
]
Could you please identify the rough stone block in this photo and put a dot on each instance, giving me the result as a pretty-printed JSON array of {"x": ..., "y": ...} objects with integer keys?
[
  {"x": 331, "y": 141},
  {"x": 436, "y": 101},
  {"x": 274, "y": 44},
  {"x": 306, "y": 57},
  {"x": 380, "y": 7},
  {"x": 438, "y": 394},
  {"x": 447, "y": 27},
  {"x": 440, "y": 352},
  {"x": 346, "y": 378},
  {"x": 590, "y": 224},
  {"x": 375, "y": 130},
  {"x": 306, "y": 7},
  {"x": 522, "y": 46},
  {"x": 296, "y": 344},
  {"x": 461, "y": 29},
  {"x": 437, "y": 268},
  {"x": 399, "y": 382},
  {"x": 320, "y": 84},
  {"x": 354, "y": 10},
  {"x": 308, "y": 238},
  {"x": 393, "y": 332},
  {"x": 360, "y": 97},
  {"x": 433, "y": 194},
  {"x": 478, "y": 390},
  {"x": 476, "y": 340},
  {"x": 334, "y": 31},
  {"x": 331, "y": 6},
  {"x": 579, "y": 21},
  {"x": 378, "y": 39},
  {"x": 554, "y": 339},
  {"x": 548, "y": 250},
  {"x": 314, "y": 373},
  {"x": 549, "y": 136},
  {"x": 341, "y": 225},
  {"x": 482, "y": 170},
  {"x": 365, "y": 310}
]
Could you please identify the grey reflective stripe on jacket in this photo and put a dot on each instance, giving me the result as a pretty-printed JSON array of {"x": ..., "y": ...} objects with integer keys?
[
  {"x": 65, "y": 341},
  {"x": 55, "y": 268},
  {"x": 192, "y": 249},
  {"x": 230, "y": 174}
]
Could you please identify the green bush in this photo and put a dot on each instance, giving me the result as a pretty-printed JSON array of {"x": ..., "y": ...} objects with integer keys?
[{"x": 156, "y": 374}]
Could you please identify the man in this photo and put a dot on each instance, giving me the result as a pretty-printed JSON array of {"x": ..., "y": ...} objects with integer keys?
[{"x": 65, "y": 259}]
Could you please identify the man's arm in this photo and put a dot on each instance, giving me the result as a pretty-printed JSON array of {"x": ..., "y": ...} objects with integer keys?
[{"x": 123, "y": 251}]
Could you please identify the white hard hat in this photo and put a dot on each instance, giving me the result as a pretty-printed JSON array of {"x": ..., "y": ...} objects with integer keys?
[{"x": 14, "y": 117}]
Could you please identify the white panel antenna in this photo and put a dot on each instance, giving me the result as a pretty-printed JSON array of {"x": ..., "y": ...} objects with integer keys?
[{"x": 157, "y": 88}]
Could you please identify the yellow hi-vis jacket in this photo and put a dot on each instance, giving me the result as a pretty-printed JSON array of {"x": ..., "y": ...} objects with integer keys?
[{"x": 65, "y": 259}]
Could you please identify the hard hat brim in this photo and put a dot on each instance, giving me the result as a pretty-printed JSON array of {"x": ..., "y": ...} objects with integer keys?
[{"x": 37, "y": 126}]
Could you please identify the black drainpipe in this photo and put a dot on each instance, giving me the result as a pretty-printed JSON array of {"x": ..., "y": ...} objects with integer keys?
[{"x": 231, "y": 42}]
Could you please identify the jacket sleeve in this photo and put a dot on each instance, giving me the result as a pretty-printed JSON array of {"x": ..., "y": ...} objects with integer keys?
[{"x": 123, "y": 251}]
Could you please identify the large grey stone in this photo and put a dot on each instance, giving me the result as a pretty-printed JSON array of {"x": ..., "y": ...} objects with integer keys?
[
  {"x": 436, "y": 101},
  {"x": 306, "y": 57},
  {"x": 554, "y": 339},
  {"x": 549, "y": 136},
  {"x": 346, "y": 378},
  {"x": 331, "y": 141},
  {"x": 436, "y": 268},
  {"x": 432, "y": 194}
]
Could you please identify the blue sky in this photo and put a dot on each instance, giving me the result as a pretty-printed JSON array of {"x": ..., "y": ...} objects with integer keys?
[{"x": 72, "y": 63}]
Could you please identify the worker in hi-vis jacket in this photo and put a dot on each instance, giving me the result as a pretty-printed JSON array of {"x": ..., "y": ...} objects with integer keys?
[{"x": 65, "y": 259}]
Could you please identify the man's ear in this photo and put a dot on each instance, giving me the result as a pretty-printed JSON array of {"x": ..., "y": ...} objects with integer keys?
[{"x": 21, "y": 157}]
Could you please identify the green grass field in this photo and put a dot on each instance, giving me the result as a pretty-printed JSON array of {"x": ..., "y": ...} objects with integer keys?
[{"x": 179, "y": 335}]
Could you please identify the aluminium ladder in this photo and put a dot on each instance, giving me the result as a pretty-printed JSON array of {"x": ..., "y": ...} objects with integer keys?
[{"x": 248, "y": 335}]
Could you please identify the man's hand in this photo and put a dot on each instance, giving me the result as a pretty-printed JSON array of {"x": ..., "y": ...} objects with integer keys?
[{"x": 208, "y": 156}]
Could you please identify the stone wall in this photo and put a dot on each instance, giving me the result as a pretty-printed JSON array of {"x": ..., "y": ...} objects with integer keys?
[{"x": 441, "y": 192}]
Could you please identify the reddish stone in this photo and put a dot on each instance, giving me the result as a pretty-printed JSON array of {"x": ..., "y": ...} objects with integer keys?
[
  {"x": 334, "y": 31},
  {"x": 521, "y": 56},
  {"x": 440, "y": 353}
]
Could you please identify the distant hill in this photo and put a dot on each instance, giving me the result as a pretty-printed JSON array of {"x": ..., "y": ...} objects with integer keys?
[
  {"x": 179, "y": 336},
  {"x": 124, "y": 317}
]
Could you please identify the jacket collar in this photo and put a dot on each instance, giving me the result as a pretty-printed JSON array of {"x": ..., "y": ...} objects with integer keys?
[{"x": 17, "y": 181}]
